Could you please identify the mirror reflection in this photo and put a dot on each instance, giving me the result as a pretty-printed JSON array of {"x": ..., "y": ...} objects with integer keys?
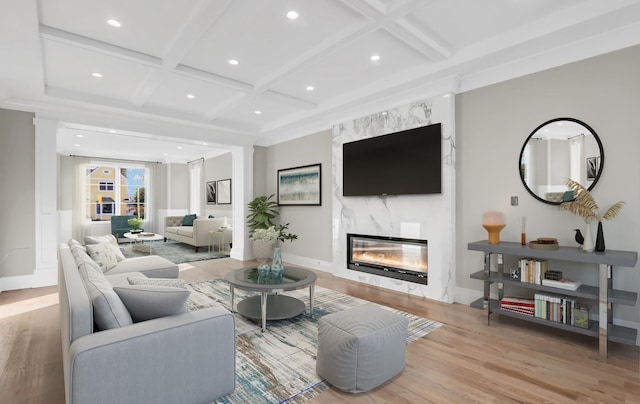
[{"x": 556, "y": 150}]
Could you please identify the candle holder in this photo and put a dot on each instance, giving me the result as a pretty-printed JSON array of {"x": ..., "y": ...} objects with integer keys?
[{"x": 494, "y": 222}]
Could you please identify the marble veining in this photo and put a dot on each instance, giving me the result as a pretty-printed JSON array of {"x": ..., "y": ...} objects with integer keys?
[{"x": 429, "y": 217}]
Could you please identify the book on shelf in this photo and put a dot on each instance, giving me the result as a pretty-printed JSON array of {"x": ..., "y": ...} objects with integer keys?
[
  {"x": 554, "y": 307},
  {"x": 564, "y": 283},
  {"x": 532, "y": 270},
  {"x": 521, "y": 305}
]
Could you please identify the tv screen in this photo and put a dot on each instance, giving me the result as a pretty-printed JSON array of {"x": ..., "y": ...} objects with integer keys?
[{"x": 400, "y": 163}]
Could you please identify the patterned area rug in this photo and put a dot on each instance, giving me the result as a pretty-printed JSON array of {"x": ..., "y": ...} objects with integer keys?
[
  {"x": 280, "y": 365},
  {"x": 172, "y": 250}
]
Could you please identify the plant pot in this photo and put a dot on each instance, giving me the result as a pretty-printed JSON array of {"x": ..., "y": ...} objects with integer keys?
[{"x": 262, "y": 249}]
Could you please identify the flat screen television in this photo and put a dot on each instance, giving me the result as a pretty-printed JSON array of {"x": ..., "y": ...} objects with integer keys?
[{"x": 400, "y": 163}]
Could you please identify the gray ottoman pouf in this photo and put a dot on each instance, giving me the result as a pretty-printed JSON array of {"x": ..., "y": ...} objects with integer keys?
[{"x": 361, "y": 348}]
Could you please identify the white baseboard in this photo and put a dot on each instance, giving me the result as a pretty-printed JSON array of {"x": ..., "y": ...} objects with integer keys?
[
  {"x": 324, "y": 266},
  {"x": 40, "y": 278}
]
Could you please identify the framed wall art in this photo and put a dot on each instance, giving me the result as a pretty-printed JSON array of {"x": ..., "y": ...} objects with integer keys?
[
  {"x": 300, "y": 185},
  {"x": 224, "y": 192},
  {"x": 211, "y": 193}
]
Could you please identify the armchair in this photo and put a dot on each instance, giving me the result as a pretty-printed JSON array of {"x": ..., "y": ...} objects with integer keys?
[{"x": 120, "y": 225}]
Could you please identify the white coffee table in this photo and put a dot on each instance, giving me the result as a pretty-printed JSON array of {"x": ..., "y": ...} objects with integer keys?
[{"x": 139, "y": 240}]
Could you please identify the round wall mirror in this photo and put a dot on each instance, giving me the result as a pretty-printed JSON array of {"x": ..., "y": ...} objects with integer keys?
[{"x": 556, "y": 150}]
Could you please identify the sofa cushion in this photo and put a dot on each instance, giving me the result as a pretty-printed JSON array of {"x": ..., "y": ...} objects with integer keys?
[
  {"x": 108, "y": 310},
  {"x": 104, "y": 254},
  {"x": 172, "y": 229},
  {"x": 185, "y": 231},
  {"x": 146, "y": 302},
  {"x": 152, "y": 266},
  {"x": 188, "y": 220},
  {"x": 176, "y": 283},
  {"x": 90, "y": 240}
]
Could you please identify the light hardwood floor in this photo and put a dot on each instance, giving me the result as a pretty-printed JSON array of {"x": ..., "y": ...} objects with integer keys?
[{"x": 465, "y": 361}]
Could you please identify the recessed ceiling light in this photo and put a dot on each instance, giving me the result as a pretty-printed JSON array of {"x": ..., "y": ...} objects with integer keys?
[
  {"x": 447, "y": 95},
  {"x": 310, "y": 88},
  {"x": 112, "y": 131},
  {"x": 76, "y": 145},
  {"x": 292, "y": 14},
  {"x": 383, "y": 113},
  {"x": 97, "y": 75},
  {"x": 179, "y": 147},
  {"x": 191, "y": 96},
  {"x": 257, "y": 112},
  {"x": 375, "y": 58},
  {"x": 233, "y": 62},
  {"x": 114, "y": 23},
  {"x": 205, "y": 144},
  {"x": 165, "y": 154},
  {"x": 79, "y": 135}
]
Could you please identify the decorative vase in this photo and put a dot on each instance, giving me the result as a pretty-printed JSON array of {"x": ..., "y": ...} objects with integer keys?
[
  {"x": 276, "y": 266},
  {"x": 262, "y": 249},
  {"x": 600, "y": 238},
  {"x": 587, "y": 244},
  {"x": 493, "y": 222},
  {"x": 263, "y": 272}
]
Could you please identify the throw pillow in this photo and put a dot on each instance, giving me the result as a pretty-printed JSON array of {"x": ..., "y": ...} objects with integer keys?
[
  {"x": 109, "y": 238},
  {"x": 104, "y": 254},
  {"x": 176, "y": 283},
  {"x": 108, "y": 310},
  {"x": 146, "y": 302},
  {"x": 188, "y": 220}
]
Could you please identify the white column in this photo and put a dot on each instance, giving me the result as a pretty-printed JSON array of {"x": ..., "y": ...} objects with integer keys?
[
  {"x": 46, "y": 190},
  {"x": 242, "y": 194}
]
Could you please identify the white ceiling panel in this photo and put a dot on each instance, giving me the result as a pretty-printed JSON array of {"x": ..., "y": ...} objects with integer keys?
[
  {"x": 334, "y": 74},
  {"x": 260, "y": 37},
  {"x": 71, "y": 68},
  {"x": 148, "y": 26},
  {"x": 172, "y": 93},
  {"x": 465, "y": 22}
]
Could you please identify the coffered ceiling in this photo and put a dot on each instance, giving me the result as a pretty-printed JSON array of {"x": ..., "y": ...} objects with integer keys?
[{"x": 167, "y": 69}]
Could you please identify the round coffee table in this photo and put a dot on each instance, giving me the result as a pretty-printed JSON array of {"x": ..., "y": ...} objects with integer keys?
[
  {"x": 269, "y": 304},
  {"x": 140, "y": 238}
]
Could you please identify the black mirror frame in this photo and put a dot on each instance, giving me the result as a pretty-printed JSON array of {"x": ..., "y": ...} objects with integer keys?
[{"x": 595, "y": 136}]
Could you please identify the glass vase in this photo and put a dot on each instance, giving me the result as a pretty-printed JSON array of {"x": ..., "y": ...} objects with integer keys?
[{"x": 276, "y": 266}]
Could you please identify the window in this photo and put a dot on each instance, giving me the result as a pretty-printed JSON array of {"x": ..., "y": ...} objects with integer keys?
[
  {"x": 106, "y": 186},
  {"x": 116, "y": 190}
]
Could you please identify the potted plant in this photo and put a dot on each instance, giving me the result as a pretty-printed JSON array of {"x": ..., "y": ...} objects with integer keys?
[
  {"x": 136, "y": 224},
  {"x": 263, "y": 210}
]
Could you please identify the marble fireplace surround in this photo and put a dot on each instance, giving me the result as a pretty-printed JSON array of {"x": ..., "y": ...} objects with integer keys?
[{"x": 428, "y": 217}]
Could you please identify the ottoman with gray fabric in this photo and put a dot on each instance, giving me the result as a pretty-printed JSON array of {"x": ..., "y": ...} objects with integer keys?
[{"x": 361, "y": 348}]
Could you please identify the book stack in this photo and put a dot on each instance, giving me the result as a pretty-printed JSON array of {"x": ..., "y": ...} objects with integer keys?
[
  {"x": 532, "y": 270},
  {"x": 564, "y": 283},
  {"x": 518, "y": 305},
  {"x": 553, "y": 307}
]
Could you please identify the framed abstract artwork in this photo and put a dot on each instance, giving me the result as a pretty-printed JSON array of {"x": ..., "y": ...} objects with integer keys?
[
  {"x": 211, "y": 193},
  {"x": 300, "y": 185},
  {"x": 224, "y": 192}
]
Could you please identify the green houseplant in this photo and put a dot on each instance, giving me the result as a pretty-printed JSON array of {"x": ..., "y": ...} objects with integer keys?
[
  {"x": 264, "y": 233},
  {"x": 135, "y": 223}
]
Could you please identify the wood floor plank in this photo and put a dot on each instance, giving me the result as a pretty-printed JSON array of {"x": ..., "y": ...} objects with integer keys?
[{"x": 465, "y": 361}]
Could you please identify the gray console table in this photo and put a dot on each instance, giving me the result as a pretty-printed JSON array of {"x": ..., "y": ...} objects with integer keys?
[{"x": 606, "y": 296}]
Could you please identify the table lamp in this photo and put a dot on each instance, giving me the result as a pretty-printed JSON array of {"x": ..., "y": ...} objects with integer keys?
[{"x": 493, "y": 222}]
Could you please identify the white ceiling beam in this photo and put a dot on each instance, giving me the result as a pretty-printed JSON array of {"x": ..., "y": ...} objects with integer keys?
[
  {"x": 430, "y": 47},
  {"x": 202, "y": 17},
  {"x": 79, "y": 41},
  {"x": 226, "y": 106},
  {"x": 214, "y": 78}
]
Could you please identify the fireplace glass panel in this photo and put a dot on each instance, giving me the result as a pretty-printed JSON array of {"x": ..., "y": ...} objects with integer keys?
[{"x": 389, "y": 253}]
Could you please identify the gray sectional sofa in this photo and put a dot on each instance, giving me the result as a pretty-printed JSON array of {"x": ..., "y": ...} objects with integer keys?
[{"x": 109, "y": 356}]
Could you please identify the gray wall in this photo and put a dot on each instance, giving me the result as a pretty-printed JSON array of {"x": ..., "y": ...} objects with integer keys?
[
  {"x": 215, "y": 169},
  {"x": 492, "y": 124},
  {"x": 178, "y": 186},
  {"x": 17, "y": 199},
  {"x": 312, "y": 224}
]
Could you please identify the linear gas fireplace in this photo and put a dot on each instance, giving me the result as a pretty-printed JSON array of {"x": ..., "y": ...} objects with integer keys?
[{"x": 399, "y": 258}]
